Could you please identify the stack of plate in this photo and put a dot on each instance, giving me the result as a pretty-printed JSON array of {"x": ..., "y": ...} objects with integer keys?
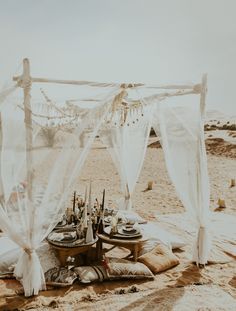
[
  {"x": 124, "y": 232},
  {"x": 62, "y": 237}
]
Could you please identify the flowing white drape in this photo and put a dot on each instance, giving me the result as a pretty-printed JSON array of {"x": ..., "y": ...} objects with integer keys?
[
  {"x": 126, "y": 140},
  {"x": 27, "y": 221},
  {"x": 180, "y": 126},
  {"x": 5, "y": 93}
]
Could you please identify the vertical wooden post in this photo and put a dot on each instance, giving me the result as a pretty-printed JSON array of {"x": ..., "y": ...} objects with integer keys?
[
  {"x": 203, "y": 94},
  {"x": 201, "y": 152},
  {"x": 28, "y": 125}
]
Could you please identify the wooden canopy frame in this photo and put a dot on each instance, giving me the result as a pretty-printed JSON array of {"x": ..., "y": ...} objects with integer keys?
[{"x": 25, "y": 81}]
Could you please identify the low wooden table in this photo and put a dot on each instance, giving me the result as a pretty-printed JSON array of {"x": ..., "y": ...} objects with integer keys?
[
  {"x": 63, "y": 252},
  {"x": 134, "y": 245}
]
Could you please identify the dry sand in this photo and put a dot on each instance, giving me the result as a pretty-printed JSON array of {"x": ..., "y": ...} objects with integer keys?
[{"x": 184, "y": 287}]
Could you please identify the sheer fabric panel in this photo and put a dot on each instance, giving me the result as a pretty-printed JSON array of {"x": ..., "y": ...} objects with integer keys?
[
  {"x": 180, "y": 126},
  {"x": 127, "y": 143},
  {"x": 28, "y": 218}
]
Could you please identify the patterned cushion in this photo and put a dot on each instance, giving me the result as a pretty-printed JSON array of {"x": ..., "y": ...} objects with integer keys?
[
  {"x": 159, "y": 259},
  {"x": 88, "y": 274},
  {"x": 60, "y": 277},
  {"x": 121, "y": 268}
]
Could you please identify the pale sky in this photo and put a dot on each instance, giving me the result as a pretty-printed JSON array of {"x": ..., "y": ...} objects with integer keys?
[{"x": 150, "y": 41}]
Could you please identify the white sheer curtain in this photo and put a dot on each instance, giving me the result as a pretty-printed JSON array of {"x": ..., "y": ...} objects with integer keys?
[
  {"x": 126, "y": 140},
  {"x": 28, "y": 220},
  {"x": 5, "y": 93},
  {"x": 180, "y": 125}
]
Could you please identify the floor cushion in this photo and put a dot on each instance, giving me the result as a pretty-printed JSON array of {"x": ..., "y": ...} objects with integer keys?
[
  {"x": 130, "y": 217},
  {"x": 10, "y": 252},
  {"x": 156, "y": 235},
  {"x": 60, "y": 276},
  {"x": 88, "y": 274},
  {"x": 125, "y": 269},
  {"x": 159, "y": 259}
]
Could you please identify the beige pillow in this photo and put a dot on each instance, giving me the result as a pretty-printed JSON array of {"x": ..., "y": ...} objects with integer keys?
[
  {"x": 88, "y": 274},
  {"x": 121, "y": 268},
  {"x": 159, "y": 259}
]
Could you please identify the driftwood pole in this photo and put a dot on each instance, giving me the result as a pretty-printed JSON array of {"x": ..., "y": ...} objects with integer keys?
[
  {"x": 203, "y": 94},
  {"x": 202, "y": 237},
  {"x": 26, "y": 83}
]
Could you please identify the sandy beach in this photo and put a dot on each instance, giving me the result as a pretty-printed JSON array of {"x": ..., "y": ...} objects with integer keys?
[
  {"x": 184, "y": 287},
  {"x": 86, "y": 83}
]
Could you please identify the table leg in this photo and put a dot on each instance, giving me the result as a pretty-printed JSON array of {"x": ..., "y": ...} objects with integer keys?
[
  {"x": 99, "y": 248},
  {"x": 136, "y": 248},
  {"x": 62, "y": 256}
]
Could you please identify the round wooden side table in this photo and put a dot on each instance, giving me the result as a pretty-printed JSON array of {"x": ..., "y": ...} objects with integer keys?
[
  {"x": 134, "y": 245},
  {"x": 63, "y": 252}
]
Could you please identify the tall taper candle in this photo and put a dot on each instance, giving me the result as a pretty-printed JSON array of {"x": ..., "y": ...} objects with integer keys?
[
  {"x": 85, "y": 196},
  {"x": 103, "y": 199},
  {"x": 74, "y": 201},
  {"x": 90, "y": 198}
]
